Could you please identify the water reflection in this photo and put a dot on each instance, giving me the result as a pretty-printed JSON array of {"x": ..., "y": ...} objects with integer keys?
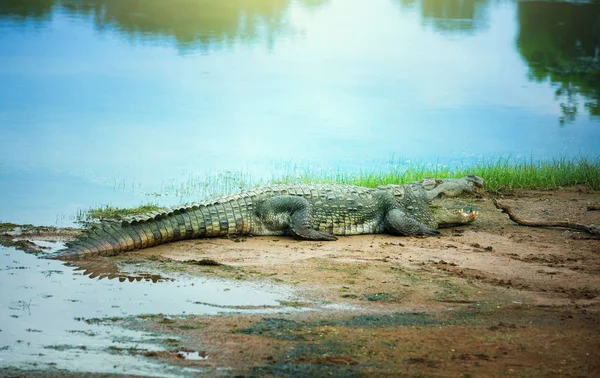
[
  {"x": 203, "y": 24},
  {"x": 561, "y": 42},
  {"x": 24, "y": 9},
  {"x": 52, "y": 317},
  {"x": 452, "y": 16},
  {"x": 106, "y": 268}
]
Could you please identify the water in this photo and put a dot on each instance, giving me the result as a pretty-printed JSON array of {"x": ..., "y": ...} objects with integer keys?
[
  {"x": 109, "y": 102},
  {"x": 43, "y": 302}
]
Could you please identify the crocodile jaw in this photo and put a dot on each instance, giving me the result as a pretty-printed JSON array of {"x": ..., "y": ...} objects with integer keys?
[
  {"x": 465, "y": 216},
  {"x": 455, "y": 218},
  {"x": 449, "y": 213}
]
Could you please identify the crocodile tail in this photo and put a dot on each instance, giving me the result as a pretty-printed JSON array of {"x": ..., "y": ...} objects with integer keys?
[
  {"x": 218, "y": 218},
  {"x": 111, "y": 238},
  {"x": 105, "y": 239}
]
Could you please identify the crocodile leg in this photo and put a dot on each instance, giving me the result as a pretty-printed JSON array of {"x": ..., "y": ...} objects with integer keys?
[
  {"x": 291, "y": 213},
  {"x": 398, "y": 223},
  {"x": 300, "y": 226}
]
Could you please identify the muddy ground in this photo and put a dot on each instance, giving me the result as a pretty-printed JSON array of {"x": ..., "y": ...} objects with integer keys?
[{"x": 489, "y": 299}]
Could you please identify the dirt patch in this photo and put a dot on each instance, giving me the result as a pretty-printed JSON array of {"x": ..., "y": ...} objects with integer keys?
[{"x": 491, "y": 298}]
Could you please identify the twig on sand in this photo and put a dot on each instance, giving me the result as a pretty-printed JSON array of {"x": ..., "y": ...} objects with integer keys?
[
  {"x": 531, "y": 223},
  {"x": 593, "y": 207}
]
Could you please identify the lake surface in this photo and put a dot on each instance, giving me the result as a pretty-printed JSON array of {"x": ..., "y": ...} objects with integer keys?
[{"x": 118, "y": 102}]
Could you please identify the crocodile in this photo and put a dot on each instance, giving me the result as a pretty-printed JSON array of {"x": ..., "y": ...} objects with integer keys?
[{"x": 305, "y": 211}]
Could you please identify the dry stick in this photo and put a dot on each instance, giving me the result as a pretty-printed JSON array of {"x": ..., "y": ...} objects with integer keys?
[
  {"x": 573, "y": 226},
  {"x": 593, "y": 207}
]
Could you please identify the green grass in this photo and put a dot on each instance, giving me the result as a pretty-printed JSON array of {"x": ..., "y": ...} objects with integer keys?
[
  {"x": 502, "y": 175},
  {"x": 208, "y": 185},
  {"x": 114, "y": 213}
]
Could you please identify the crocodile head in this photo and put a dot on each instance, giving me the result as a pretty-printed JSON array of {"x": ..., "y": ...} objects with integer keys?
[
  {"x": 429, "y": 200},
  {"x": 451, "y": 212}
]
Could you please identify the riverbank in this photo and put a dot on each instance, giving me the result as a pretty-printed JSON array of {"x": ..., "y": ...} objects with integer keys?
[
  {"x": 503, "y": 176},
  {"x": 491, "y": 298}
]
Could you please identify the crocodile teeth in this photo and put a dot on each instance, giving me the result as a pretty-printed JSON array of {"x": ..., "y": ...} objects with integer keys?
[{"x": 472, "y": 215}]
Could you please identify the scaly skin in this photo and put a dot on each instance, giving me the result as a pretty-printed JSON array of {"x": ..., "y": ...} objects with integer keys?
[{"x": 310, "y": 212}]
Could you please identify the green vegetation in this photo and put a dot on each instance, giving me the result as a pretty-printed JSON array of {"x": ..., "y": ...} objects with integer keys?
[
  {"x": 502, "y": 175},
  {"x": 216, "y": 184},
  {"x": 114, "y": 213}
]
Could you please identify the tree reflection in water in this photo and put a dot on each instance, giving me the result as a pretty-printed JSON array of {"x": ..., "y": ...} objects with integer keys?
[
  {"x": 452, "y": 16},
  {"x": 202, "y": 24},
  {"x": 561, "y": 42}
]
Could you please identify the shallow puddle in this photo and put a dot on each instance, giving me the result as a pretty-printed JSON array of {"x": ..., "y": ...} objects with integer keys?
[{"x": 45, "y": 304}]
